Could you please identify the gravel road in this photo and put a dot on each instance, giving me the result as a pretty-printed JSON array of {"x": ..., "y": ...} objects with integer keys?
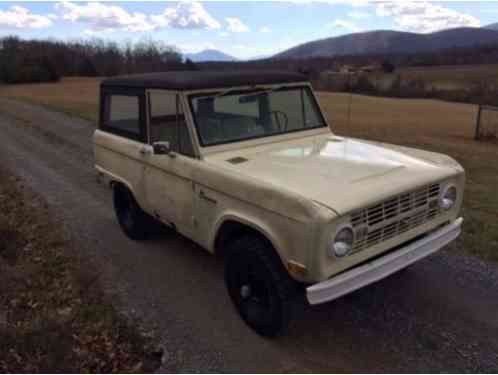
[{"x": 441, "y": 315}]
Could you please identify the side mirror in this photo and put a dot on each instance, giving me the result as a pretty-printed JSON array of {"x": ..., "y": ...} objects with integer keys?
[{"x": 161, "y": 148}]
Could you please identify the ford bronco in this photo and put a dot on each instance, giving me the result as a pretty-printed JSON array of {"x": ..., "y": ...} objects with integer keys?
[{"x": 245, "y": 165}]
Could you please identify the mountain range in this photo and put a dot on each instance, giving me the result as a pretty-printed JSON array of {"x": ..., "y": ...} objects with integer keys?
[
  {"x": 388, "y": 42},
  {"x": 493, "y": 26},
  {"x": 373, "y": 42},
  {"x": 209, "y": 55}
]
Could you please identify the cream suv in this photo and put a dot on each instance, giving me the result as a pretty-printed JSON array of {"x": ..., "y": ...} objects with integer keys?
[{"x": 245, "y": 165}]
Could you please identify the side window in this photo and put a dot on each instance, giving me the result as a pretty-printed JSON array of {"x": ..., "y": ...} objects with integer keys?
[
  {"x": 167, "y": 122},
  {"x": 298, "y": 108},
  {"x": 122, "y": 115},
  {"x": 310, "y": 110}
]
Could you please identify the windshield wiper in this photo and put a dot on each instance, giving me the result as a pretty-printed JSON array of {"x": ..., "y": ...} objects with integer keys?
[
  {"x": 217, "y": 95},
  {"x": 226, "y": 92}
]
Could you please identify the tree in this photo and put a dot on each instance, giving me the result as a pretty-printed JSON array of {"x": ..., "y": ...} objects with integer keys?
[
  {"x": 86, "y": 68},
  {"x": 48, "y": 65},
  {"x": 190, "y": 65},
  {"x": 388, "y": 67}
]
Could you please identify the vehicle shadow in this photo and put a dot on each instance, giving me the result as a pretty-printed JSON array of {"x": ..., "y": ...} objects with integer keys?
[{"x": 404, "y": 323}]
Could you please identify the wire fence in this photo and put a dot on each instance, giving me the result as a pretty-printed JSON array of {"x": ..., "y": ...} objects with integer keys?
[{"x": 486, "y": 123}]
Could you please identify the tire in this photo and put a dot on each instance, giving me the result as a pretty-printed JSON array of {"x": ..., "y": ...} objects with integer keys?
[
  {"x": 259, "y": 286},
  {"x": 134, "y": 222}
]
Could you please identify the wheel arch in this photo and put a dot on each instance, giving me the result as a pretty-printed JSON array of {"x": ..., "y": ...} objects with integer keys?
[
  {"x": 115, "y": 181},
  {"x": 111, "y": 179},
  {"x": 232, "y": 225}
]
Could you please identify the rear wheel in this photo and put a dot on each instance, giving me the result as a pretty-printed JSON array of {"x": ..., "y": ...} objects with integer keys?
[
  {"x": 134, "y": 222},
  {"x": 259, "y": 286}
]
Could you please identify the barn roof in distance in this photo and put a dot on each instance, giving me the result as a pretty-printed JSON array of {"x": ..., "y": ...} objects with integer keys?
[{"x": 199, "y": 80}]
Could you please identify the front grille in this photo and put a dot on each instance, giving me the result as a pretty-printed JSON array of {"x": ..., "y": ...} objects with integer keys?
[{"x": 394, "y": 216}]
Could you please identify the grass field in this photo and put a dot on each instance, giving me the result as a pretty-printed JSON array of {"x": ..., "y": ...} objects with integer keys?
[
  {"x": 378, "y": 116},
  {"x": 452, "y": 77},
  {"x": 449, "y": 77},
  {"x": 75, "y": 96},
  {"x": 429, "y": 124}
]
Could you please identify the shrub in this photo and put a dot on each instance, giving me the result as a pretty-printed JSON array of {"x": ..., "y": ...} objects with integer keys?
[
  {"x": 363, "y": 85},
  {"x": 86, "y": 68},
  {"x": 48, "y": 60},
  {"x": 388, "y": 67}
]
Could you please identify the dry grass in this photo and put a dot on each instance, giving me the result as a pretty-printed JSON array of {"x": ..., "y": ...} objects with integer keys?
[
  {"x": 53, "y": 314},
  {"x": 429, "y": 124},
  {"x": 385, "y": 116},
  {"x": 452, "y": 77},
  {"x": 79, "y": 96},
  {"x": 74, "y": 96}
]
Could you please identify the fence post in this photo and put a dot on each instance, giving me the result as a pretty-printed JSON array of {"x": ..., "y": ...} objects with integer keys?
[{"x": 478, "y": 123}]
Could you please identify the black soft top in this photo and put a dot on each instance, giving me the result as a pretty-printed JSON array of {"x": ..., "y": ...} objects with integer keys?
[{"x": 198, "y": 80}]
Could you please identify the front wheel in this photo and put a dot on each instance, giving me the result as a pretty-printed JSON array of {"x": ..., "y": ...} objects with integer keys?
[
  {"x": 134, "y": 222},
  {"x": 259, "y": 286}
]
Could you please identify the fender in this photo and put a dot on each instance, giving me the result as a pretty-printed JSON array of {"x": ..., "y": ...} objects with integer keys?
[
  {"x": 253, "y": 223},
  {"x": 111, "y": 178}
]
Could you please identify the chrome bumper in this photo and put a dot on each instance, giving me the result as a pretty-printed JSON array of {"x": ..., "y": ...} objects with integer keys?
[{"x": 380, "y": 268}]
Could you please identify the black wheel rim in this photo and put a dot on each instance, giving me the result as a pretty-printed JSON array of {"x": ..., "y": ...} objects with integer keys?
[{"x": 252, "y": 295}]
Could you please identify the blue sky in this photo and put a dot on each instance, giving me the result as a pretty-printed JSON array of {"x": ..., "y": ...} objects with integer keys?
[{"x": 243, "y": 29}]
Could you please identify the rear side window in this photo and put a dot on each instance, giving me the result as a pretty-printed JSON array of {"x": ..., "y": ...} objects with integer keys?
[{"x": 122, "y": 115}]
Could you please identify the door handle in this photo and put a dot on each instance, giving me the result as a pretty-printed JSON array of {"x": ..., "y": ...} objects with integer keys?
[{"x": 145, "y": 151}]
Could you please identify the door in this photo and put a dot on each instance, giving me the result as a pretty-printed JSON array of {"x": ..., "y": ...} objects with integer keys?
[
  {"x": 119, "y": 149},
  {"x": 168, "y": 178}
]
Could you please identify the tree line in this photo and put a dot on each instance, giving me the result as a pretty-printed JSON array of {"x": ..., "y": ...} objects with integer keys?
[
  {"x": 321, "y": 71},
  {"x": 314, "y": 66},
  {"x": 48, "y": 60}
]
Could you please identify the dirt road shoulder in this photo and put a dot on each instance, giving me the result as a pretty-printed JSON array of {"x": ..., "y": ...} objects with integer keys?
[{"x": 53, "y": 314}]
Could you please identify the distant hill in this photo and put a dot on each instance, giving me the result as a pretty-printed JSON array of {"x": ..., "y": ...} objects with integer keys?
[
  {"x": 493, "y": 26},
  {"x": 387, "y": 42},
  {"x": 258, "y": 57},
  {"x": 209, "y": 55}
]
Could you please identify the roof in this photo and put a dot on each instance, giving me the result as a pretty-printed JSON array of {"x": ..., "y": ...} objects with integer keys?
[{"x": 198, "y": 80}]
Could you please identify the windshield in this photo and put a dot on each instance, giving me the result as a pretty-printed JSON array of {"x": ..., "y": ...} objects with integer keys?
[{"x": 233, "y": 116}]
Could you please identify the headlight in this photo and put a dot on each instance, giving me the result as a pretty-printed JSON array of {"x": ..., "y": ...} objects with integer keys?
[
  {"x": 448, "y": 198},
  {"x": 342, "y": 243}
]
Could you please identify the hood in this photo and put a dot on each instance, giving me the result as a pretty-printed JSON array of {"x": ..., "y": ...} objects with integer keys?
[{"x": 341, "y": 173}]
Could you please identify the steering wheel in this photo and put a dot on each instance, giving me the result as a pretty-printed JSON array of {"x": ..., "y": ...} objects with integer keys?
[
  {"x": 248, "y": 129},
  {"x": 282, "y": 126}
]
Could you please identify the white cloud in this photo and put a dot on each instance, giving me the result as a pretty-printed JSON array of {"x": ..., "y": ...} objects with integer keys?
[
  {"x": 104, "y": 17},
  {"x": 187, "y": 15},
  {"x": 101, "y": 17},
  {"x": 265, "y": 29},
  {"x": 355, "y": 3},
  {"x": 20, "y": 18},
  {"x": 424, "y": 17},
  {"x": 95, "y": 33},
  {"x": 235, "y": 25},
  {"x": 358, "y": 15},
  {"x": 343, "y": 24}
]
